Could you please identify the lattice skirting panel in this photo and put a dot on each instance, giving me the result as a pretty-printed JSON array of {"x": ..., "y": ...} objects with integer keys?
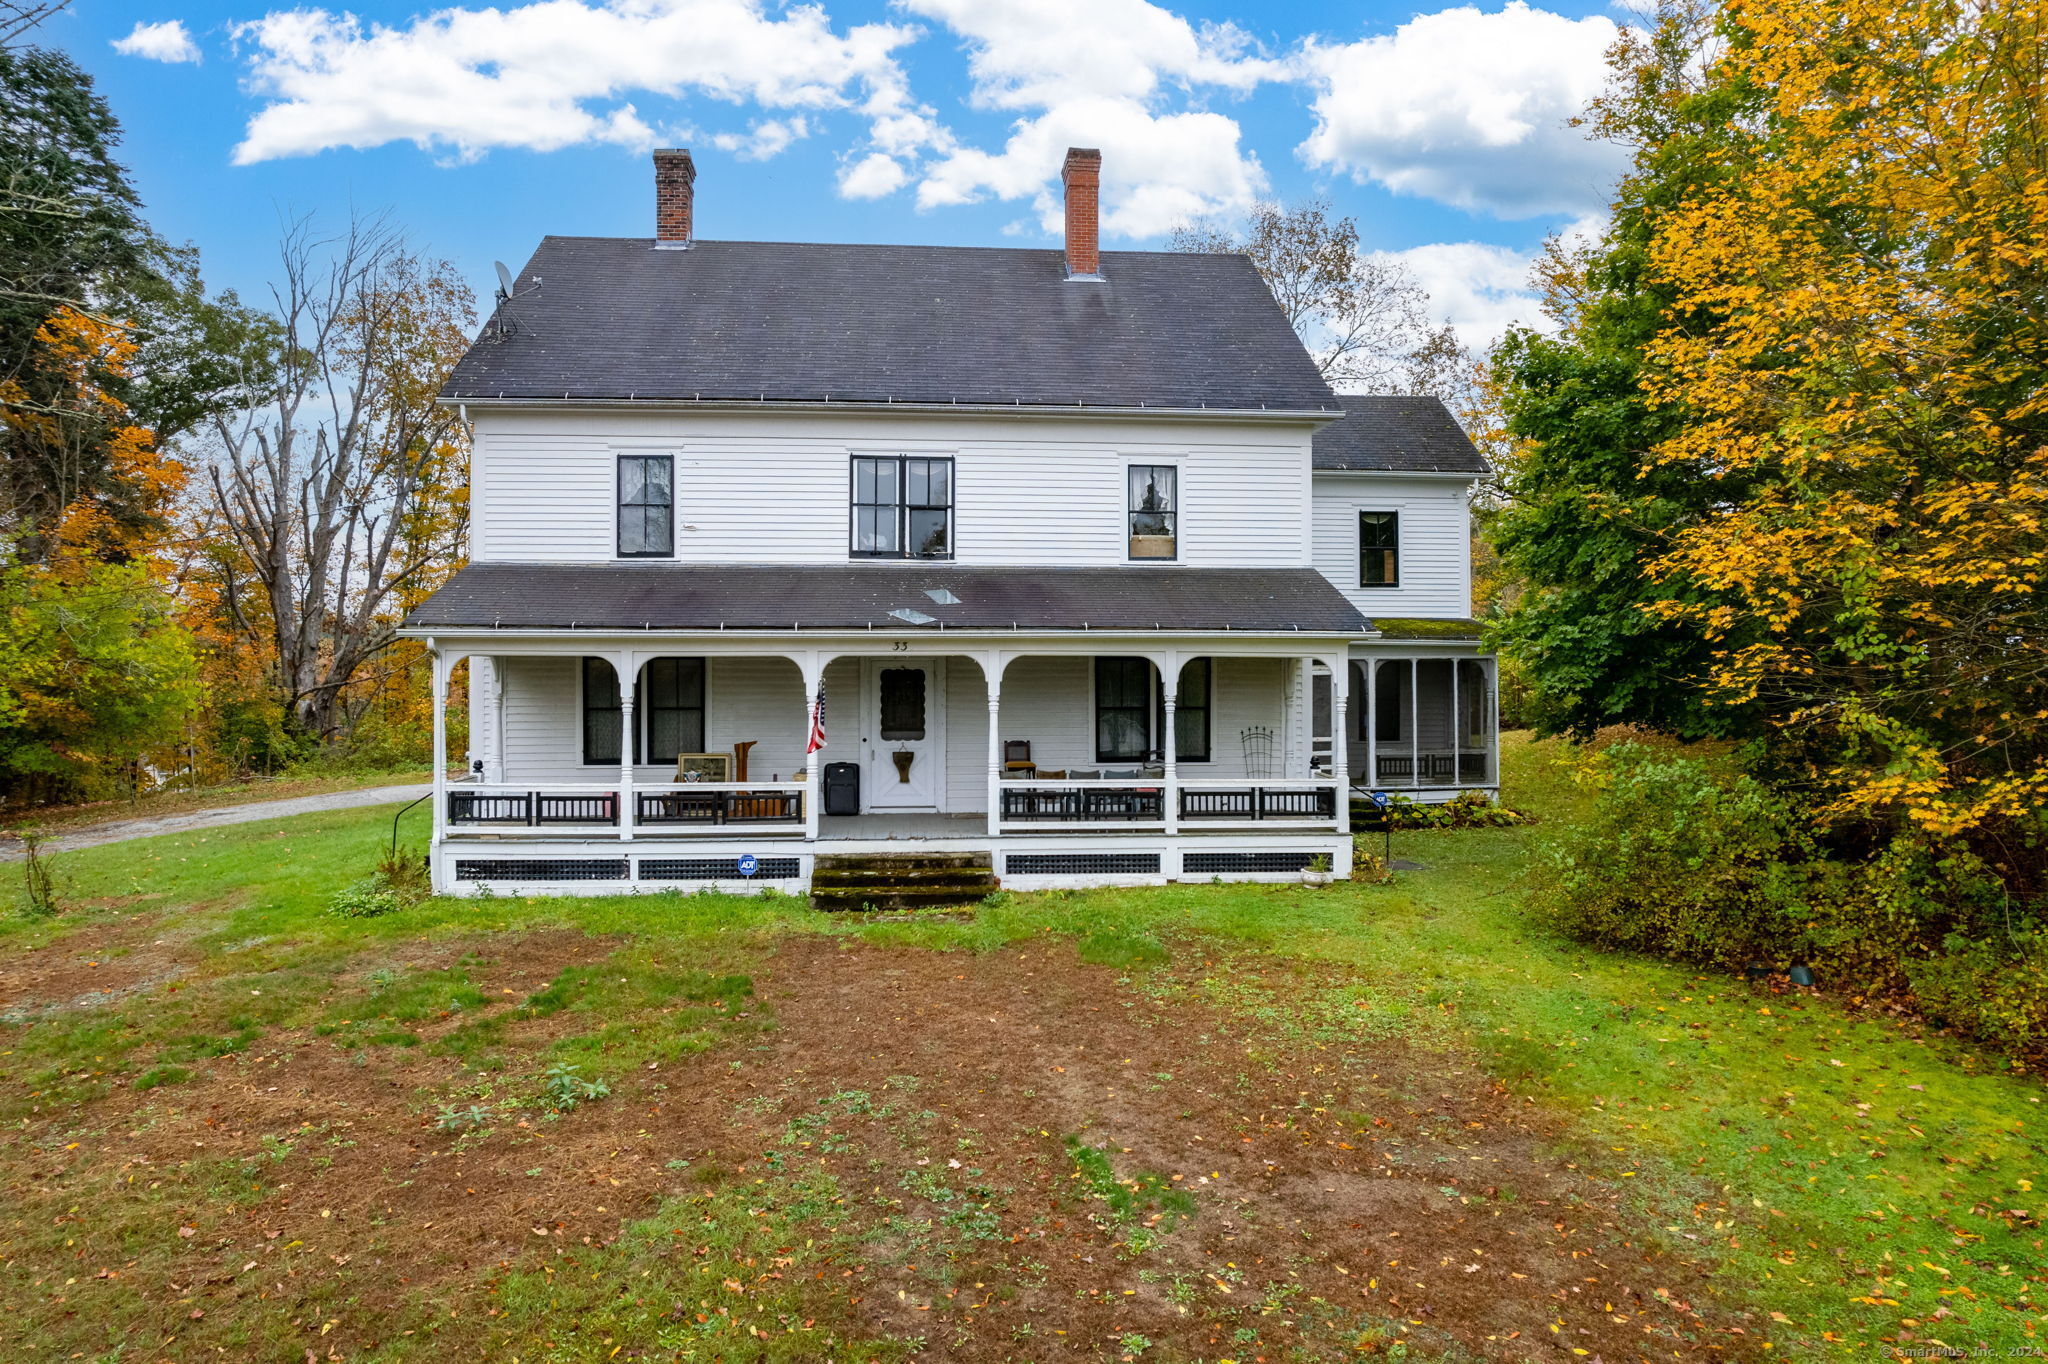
[
  {"x": 540, "y": 869},
  {"x": 1081, "y": 864},
  {"x": 1225, "y": 863},
  {"x": 717, "y": 869}
]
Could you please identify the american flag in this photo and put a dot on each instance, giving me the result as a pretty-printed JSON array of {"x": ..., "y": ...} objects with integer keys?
[{"x": 817, "y": 740}]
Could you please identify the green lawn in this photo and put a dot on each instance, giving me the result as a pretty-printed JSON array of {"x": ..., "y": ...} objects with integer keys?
[{"x": 199, "y": 1060}]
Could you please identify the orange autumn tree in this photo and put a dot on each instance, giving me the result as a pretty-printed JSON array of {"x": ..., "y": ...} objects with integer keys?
[
  {"x": 1872, "y": 375},
  {"x": 95, "y": 672}
]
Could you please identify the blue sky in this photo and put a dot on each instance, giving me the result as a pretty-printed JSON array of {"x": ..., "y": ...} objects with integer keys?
[{"x": 478, "y": 129}]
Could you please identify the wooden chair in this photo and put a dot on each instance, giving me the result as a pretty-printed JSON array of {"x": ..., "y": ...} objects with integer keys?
[{"x": 1017, "y": 756}]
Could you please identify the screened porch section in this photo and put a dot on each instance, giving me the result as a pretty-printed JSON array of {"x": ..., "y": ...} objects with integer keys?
[{"x": 1421, "y": 724}]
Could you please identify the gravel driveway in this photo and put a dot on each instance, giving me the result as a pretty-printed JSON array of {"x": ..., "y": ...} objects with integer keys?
[{"x": 120, "y": 831}]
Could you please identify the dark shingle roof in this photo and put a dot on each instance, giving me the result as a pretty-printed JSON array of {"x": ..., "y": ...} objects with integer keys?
[
  {"x": 750, "y": 321},
  {"x": 1397, "y": 435},
  {"x": 856, "y": 596}
]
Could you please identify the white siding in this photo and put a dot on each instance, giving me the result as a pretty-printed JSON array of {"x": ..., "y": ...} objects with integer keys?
[
  {"x": 1436, "y": 549},
  {"x": 773, "y": 488},
  {"x": 1048, "y": 700},
  {"x": 745, "y": 698}
]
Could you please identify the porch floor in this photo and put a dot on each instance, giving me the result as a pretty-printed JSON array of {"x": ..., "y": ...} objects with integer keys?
[{"x": 902, "y": 826}]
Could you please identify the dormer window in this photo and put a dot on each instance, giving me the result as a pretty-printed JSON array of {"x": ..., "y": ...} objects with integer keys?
[
  {"x": 647, "y": 506},
  {"x": 902, "y": 508}
]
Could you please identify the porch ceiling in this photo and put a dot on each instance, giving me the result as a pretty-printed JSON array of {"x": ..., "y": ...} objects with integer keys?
[{"x": 861, "y": 596}]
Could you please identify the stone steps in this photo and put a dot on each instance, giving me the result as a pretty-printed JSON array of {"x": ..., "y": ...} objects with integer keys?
[{"x": 901, "y": 880}]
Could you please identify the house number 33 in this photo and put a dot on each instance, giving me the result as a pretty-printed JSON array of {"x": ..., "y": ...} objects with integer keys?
[{"x": 901, "y": 646}]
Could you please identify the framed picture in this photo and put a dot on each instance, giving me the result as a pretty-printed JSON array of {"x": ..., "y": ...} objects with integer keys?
[{"x": 704, "y": 767}]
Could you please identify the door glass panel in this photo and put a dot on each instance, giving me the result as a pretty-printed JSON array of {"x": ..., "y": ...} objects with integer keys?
[{"x": 902, "y": 703}]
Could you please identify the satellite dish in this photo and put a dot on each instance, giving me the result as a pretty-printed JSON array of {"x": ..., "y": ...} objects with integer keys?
[{"x": 504, "y": 281}]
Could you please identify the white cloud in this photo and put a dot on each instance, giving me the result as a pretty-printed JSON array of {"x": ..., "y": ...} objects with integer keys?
[
  {"x": 161, "y": 42},
  {"x": 1480, "y": 290},
  {"x": 871, "y": 177},
  {"x": 1470, "y": 109},
  {"x": 1121, "y": 75},
  {"x": 767, "y": 138},
  {"x": 550, "y": 74}
]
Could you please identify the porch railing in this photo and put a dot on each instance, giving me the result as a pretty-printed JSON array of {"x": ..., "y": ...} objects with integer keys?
[
  {"x": 1442, "y": 767},
  {"x": 680, "y": 808},
  {"x": 707, "y": 804},
  {"x": 1305, "y": 801},
  {"x": 1203, "y": 802},
  {"x": 1083, "y": 802},
  {"x": 532, "y": 809}
]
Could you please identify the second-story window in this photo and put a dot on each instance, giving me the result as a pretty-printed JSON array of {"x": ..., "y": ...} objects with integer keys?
[
  {"x": 1153, "y": 511},
  {"x": 647, "y": 506},
  {"x": 902, "y": 508},
  {"x": 1379, "y": 549}
]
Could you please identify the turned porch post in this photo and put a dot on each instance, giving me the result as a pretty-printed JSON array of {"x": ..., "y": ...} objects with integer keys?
[
  {"x": 1340, "y": 749},
  {"x": 813, "y": 670},
  {"x": 1369, "y": 723},
  {"x": 440, "y": 679},
  {"x": 1169, "y": 744},
  {"x": 629, "y": 685},
  {"x": 992, "y": 670}
]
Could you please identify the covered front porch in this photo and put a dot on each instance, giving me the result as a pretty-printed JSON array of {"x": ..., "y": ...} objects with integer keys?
[{"x": 1069, "y": 761}]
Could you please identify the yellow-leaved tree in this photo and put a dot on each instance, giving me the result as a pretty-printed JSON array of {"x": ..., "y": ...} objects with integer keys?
[{"x": 1873, "y": 272}]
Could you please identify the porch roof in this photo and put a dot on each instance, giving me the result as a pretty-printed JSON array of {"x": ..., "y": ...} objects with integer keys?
[{"x": 605, "y": 596}]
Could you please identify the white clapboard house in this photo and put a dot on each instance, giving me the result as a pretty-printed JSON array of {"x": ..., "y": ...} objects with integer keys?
[{"x": 1071, "y": 559}]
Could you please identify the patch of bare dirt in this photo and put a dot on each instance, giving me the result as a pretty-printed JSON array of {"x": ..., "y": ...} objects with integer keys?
[
  {"x": 90, "y": 967},
  {"x": 1329, "y": 1195}
]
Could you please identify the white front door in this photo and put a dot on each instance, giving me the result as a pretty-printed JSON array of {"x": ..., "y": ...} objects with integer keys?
[{"x": 903, "y": 735}]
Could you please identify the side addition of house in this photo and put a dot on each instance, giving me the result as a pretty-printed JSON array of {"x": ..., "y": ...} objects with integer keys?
[{"x": 1056, "y": 567}]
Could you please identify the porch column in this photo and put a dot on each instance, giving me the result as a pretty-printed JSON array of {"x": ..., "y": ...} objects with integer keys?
[
  {"x": 1493, "y": 721},
  {"x": 1415, "y": 723},
  {"x": 1340, "y": 750},
  {"x": 992, "y": 672},
  {"x": 1457, "y": 731},
  {"x": 1369, "y": 722},
  {"x": 629, "y": 684},
  {"x": 497, "y": 719},
  {"x": 813, "y": 670},
  {"x": 440, "y": 677},
  {"x": 1169, "y": 744}
]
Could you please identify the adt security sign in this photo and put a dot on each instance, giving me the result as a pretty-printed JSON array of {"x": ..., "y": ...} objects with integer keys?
[
  {"x": 749, "y": 864},
  {"x": 1379, "y": 798}
]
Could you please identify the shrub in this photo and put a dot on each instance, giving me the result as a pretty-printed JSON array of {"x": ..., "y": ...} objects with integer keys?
[
  {"x": 1676, "y": 861},
  {"x": 365, "y": 899},
  {"x": 1466, "y": 810},
  {"x": 38, "y": 878},
  {"x": 1993, "y": 988}
]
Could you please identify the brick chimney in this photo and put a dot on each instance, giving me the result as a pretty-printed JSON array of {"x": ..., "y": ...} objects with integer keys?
[
  {"x": 1082, "y": 176},
  {"x": 674, "y": 176}
]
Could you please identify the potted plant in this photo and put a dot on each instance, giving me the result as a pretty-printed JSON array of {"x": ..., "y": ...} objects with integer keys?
[{"x": 1317, "y": 872}]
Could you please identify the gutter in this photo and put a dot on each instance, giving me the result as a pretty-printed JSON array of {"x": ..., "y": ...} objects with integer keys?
[{"x": 827, "y": 403}]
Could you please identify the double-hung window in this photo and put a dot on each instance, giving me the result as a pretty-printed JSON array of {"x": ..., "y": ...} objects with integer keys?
[
  {"x": 1153, "y": 510},
  {"x": 1379, "y": 549},
  {"x": 647, "y": 506},
  {"x": 673, "y": 693},
  {"x": 668, "y": 715},
  {"x": 1123, "y": 710},
  {"x": 1130, "y": 711},
  {"x": 602, "y": 715},
  {"x": 902, "y": 507}
]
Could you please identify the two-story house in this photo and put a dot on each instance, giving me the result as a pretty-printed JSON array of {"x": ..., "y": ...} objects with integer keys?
[{"x": 1064, "y": 564}]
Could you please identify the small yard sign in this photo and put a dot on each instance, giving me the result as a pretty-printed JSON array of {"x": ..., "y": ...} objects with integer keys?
[{"x": 749, "y": 864}]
